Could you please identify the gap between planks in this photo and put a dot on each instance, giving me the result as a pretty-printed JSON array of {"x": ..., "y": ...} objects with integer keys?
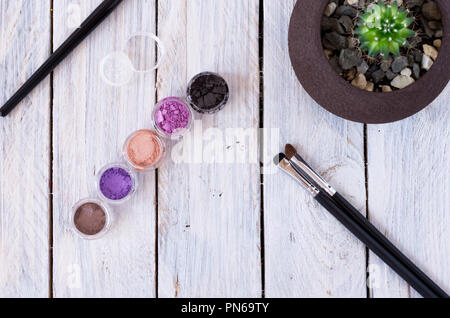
[
  {"x": 261, "y": 141},
  {"x": 156, "y": 172},
  {"x": 366, "y": 183},
  {"x": 50, "y": 235}
]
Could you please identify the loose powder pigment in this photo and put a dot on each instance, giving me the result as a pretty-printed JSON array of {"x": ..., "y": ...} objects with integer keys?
[
  {"x": 144, "y": 149},
  {"x": 90, "y": 219},
  {"x": 172, "y": 116},
  {"x": 116, "y": 183},
  {"x": 208, "y": 93}
]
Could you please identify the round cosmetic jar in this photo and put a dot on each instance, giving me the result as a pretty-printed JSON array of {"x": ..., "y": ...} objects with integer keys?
[
  {"x": 172, "y": 118},
  {"x": 91, "y": 219},
  {"x": 208, "y": 93},
  {"x": 144, "y": 150},
  {"x": 116, "y": 183}
]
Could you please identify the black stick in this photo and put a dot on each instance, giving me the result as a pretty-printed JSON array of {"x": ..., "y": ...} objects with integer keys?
[
  {"x": 96, "y": 17},
  {"x": 370, "y": 228},
  {"x": 353, "y": 213},
  {"x": 375, "y": 246},
  {"x": 325, "y": 194}
]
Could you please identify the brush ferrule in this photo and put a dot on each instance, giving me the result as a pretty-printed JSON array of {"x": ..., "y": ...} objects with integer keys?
[
  {"x": 287, "y": 167},
  {"x": 314, "y": 176}
]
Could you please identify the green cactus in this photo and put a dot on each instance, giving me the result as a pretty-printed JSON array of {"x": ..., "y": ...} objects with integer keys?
[{"x": 383, "y": 29}]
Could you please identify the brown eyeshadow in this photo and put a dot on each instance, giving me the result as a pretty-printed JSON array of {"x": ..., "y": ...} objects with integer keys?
[{"x": 90, "y": 219}]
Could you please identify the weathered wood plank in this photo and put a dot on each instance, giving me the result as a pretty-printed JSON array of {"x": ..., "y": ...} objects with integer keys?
[
  {"x": 24, "y": 151},
  {"x": 409, "y": 183},
  {"x": 91, "y": 123},
  {"x": 308, "y": 253},
  {"x": 209, "y": 242}
]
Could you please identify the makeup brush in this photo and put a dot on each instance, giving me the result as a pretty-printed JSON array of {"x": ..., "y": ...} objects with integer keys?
[
  {"x": 94, "y": 20},
  {"x": 325, "y": 200},
  {"x": 305, "y": 169}
]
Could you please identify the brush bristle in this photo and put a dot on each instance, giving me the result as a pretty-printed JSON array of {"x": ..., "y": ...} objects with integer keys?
[
  {"x": 278, "y": 158},
  {"x": 290, "y": 151}
]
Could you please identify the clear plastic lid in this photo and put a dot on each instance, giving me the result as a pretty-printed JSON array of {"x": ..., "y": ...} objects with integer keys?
[
  {"x": 141, "y": 53},
  {"x": 145, "y": 52}
]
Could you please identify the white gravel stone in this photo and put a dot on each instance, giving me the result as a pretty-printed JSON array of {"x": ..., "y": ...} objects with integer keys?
[
  {"x": 437, "y": 43},
  {"x": 352, "y": 2},
  {"x": 427, "y": 62},
  {"x": 331, "y": 7},
  {"x": 370, "y": 86},
  {"x": 430, "y": 51},
  {"x": 386, "y": 89},
  {"x": 406, "y": 72},
  {"x": 360, "y": 81},
  {"x": 402, "y": 81}
]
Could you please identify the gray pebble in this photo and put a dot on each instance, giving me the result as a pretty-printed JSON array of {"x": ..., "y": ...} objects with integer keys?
[
  {"x": 346, "y": 10},
  {"x": 334, "y": 61},
  {"x": 435, "y": 25},
  {"x": 428, "y": 31},
  {"x": 378, "y": 76},
  {"x": 332, "y": 24},
  {"x": 372, "y": 69},
  {"x": 399, "y": 64},
  {"x": 416, "y": 71},
  {"x": 363, "y": 67},
  {"x": 386, "y": 64},
  {"x": 415, "y": 41},
  {"x": 413, "y": 3},
  {"x": 346, "y": 23},
  {"x": 349, "y": 58},
  {"x": 431, "y": 11},
  {"x": 417, "y": 55},
  {"x": 334, "y": 41},
  {"x": 390, "y": 75}
]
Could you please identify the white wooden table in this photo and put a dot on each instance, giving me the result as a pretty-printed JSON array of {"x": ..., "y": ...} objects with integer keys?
[{"x": 203, "y": 230}]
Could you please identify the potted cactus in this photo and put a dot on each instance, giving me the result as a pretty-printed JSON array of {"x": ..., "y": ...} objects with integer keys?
[
  {"x": 382, "y": 29},
  {"x": 371, "y": 61}
]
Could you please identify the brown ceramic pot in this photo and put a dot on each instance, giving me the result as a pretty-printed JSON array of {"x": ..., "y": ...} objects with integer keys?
[{"x": 342, "y": 99}]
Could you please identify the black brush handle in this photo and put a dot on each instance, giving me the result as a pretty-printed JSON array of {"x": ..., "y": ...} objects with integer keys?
[
  {"x": 375, "y": 246},
  {"x": 363, "y": 222},
  {"x": 94, "y": 19}
]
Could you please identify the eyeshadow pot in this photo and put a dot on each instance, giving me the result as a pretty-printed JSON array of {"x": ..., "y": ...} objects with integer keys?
[
  {"x": 116, "y": 183},
  {"x": 172, "y": 118},
  {"x": 144, "y": 150},
  {"x": 90, "y": 219},
  {"x": 208, "y": 93}
]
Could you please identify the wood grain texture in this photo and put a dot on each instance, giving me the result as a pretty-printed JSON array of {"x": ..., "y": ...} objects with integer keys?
[
  {"x": 209, "y": 229},
  {"x": 24, "y": 152},
  {"x": 208, "y": 238},
  {"x": 91, "y": 122},
  {"x": 308, "y": 253},
  {"x": 409, "y": 184}
]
